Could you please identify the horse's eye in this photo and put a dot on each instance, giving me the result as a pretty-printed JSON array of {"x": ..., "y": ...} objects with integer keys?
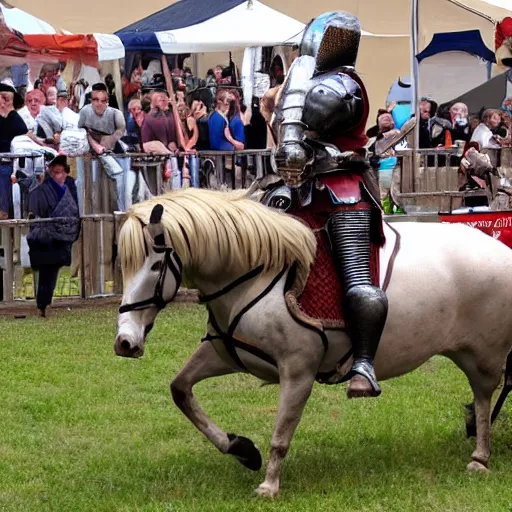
[{"x": 156, "y": 267}]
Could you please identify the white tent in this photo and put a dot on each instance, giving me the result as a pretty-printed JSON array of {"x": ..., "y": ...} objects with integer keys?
[
  {"x": 24, "y": 23},
  {"x": 464, "y": 52},
  {"x": 109, "y": 47},
  {"x": 248, "y": 24}
]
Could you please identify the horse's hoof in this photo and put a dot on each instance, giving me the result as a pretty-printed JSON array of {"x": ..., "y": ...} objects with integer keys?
[
  {"x": 245, "y": 452},
  {"x": 266, "y": 491},
  {"x": 477, "y": 467}
]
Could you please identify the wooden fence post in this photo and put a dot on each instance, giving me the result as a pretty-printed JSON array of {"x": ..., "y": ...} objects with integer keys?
[{"x": 9, "y": 263}]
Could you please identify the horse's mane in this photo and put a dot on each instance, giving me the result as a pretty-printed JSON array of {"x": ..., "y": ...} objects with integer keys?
[{"x": 218, "y": 230}]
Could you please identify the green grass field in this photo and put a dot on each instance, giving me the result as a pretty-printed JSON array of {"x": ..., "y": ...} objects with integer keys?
[{"x": 84, "y": 430}]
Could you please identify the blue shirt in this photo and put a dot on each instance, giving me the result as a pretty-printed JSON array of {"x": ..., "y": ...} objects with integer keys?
[
  {"x": 216, "y": 127},
  {"x": 237, "y": 129},
  {"x": 19, "y": 75},
  {"x": 132, "y": 130}
]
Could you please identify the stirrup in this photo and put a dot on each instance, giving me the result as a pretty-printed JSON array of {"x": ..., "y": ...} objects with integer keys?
[{"x": 364, "y": 368}]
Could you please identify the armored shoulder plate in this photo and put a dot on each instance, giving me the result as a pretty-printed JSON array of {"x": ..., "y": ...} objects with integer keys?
[{"x": 334, "y": 104}]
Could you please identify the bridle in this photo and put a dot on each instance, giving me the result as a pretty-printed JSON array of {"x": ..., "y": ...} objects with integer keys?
[{"x": 173, "y": 263}]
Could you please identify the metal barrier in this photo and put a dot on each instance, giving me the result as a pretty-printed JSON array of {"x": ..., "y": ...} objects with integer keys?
[{"x": 216, "y": 169}]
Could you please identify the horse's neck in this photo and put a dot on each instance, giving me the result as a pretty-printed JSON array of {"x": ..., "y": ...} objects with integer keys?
[{"x": 228, "y": 305}]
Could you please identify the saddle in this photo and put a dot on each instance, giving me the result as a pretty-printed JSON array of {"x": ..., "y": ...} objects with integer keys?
[{"x": 320, "y": 302}]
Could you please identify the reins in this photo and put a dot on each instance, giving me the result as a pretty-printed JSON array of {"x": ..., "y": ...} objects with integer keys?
[
  {"x": 231, "y": 343},
  {"x": 203, "y": 299}
]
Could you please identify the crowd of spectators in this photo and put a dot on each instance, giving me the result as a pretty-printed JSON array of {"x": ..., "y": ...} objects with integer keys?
[
  {"x": 200, "y": 114},
  {"x": 490, "y": 128},
  {"x": 449, "y": 127},
  {"x": 194, "y": 114},
  {"x": 445, "y": 127}
]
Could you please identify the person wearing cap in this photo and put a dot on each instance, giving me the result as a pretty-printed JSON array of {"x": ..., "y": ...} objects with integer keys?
[
  {"x": 11, "y": 125},
  {"x": 105, "y": 126},
  {"x": 50, "y": 242}
]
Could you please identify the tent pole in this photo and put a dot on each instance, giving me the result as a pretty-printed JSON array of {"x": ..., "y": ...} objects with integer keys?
[
  {"x": 180, "y": 132},
  {"x": 414, "y": 75}
]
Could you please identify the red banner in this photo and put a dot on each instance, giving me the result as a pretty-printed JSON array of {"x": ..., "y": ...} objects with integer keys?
[{"x": 495, "y": 224}]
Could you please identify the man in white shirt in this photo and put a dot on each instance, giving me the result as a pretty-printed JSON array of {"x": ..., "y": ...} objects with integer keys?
[
  {"x": 53, "y": 120},
  {"x": 105, "y": 126},
  {"x": 491, "y": 119}
]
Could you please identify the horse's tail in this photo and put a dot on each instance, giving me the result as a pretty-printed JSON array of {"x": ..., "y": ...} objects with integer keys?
[
  {"x": 131, "y": 248},
  {"x": 507, "y": 389}
]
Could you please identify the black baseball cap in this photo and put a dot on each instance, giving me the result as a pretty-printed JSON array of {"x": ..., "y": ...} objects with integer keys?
[
  {"x": 59, "y": 160},
  {"x": 18, "y": 101}
]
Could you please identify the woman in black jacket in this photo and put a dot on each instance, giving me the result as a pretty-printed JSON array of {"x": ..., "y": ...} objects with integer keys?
[{"x": 50, "y": 242}]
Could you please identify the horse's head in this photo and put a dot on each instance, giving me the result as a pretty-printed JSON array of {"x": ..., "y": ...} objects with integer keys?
[{"x": 154, "y": 285}]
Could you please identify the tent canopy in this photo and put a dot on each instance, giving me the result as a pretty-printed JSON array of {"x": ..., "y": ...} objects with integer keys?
[
  {"x": 184, "y": 13},
  {"x": 487, "y": 95},
  {"x": 469, "y": 41},
  {"x": 23, "y": 22},
  {"x": 41, "y": 37},
  {"x": 460, "y": 58},
  {"x": 140, "y": 36},
  {"x": 194, "y": 26}
]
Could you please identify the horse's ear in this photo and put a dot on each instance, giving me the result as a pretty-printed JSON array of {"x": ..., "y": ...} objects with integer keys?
[
  {"x": 154, "y": 227},
  {"x": 156, "y": 214}
]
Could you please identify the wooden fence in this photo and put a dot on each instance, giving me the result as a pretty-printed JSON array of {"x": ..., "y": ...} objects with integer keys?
[
  {"x": 428, "y": 180},
  {"x": 428, "y": 186},
  {"x": 95, "y": 271}
]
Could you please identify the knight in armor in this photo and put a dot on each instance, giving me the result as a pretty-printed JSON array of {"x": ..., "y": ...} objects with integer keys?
[{"x": 319, "y": 125}]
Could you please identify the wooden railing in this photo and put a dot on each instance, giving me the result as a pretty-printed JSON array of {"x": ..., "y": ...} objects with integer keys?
[
  {"x": 94, "y": 271},
  {"x": 428, "y": 180}
]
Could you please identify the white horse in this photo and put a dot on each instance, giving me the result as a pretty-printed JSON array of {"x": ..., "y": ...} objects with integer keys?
[{"x": 449, "y": 293}]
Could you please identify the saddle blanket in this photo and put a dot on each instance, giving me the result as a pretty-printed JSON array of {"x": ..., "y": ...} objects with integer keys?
[{"x": 320, "y": 303}]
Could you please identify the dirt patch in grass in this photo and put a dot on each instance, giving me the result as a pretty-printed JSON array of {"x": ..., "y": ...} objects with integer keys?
[{"x": 28, "y": 307}]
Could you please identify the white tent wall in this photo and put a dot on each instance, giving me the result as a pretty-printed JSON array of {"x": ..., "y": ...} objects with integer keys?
[
  {"x": 380, "y": 62},
  {"x": 471, "y": 72},
  {"x": 23, "y": 22}
]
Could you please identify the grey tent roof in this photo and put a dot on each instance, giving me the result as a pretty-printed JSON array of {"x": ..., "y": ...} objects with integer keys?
[{"x": 488, "y": 95}]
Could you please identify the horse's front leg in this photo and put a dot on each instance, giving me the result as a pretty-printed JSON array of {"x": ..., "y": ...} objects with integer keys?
[
  {"x": 295, "y": 388},
  {"x": 206, "y": 363}
]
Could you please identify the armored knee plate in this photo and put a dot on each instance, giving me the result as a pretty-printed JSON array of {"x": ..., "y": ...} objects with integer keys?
[{"x": 366, "y": 310}]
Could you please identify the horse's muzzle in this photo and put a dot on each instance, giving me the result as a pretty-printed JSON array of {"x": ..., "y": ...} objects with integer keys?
[{"x": 125, "y": 346}]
